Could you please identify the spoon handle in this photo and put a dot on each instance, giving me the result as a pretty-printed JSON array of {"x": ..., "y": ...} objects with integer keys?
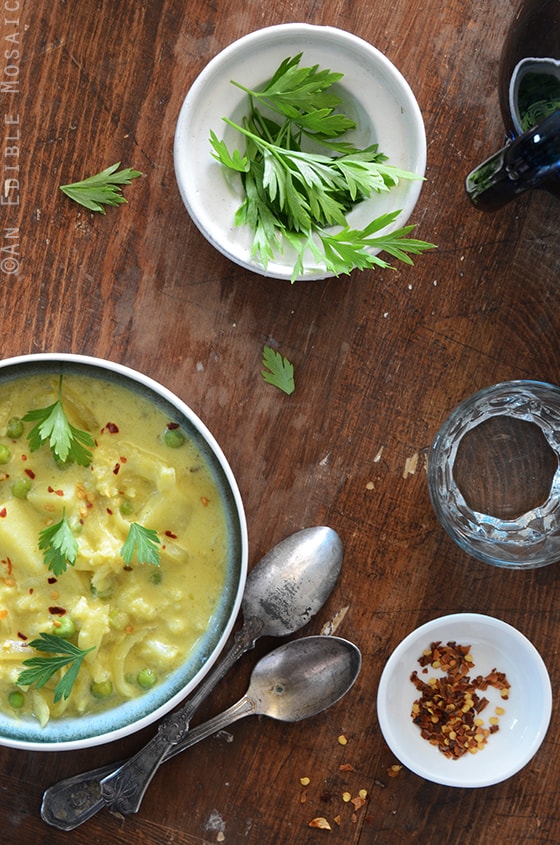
[
  {"x": 121, "y": 787},
  {"x": 122, "y": 791},
  {"x": 71, "y": 802}
]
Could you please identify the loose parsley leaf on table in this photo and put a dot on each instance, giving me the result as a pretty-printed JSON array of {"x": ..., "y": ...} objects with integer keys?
[
  {"x": 142, "y": 541},
  {"x": 41, "y": 669},
  {"x": 59, "y": 546},
  {"x": 102, "y": 189},
  {"x": 278, "y": 370},
  {"x": 297, "y": 195},
  {"x": 67, "y": 442}
]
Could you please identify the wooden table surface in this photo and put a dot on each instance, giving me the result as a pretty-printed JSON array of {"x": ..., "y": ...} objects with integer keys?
[{"x": 381, "y": 358}]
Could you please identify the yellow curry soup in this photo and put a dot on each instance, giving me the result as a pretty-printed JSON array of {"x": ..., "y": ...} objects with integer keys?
[{"x": 138, "y": 620}]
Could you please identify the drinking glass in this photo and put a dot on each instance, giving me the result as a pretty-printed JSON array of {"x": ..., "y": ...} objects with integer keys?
[{"x": 494, "y": 474}]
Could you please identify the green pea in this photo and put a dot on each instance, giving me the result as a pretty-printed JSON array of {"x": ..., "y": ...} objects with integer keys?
[
  {"x": 117, "y": 619},
  {"x": 146, "y": 678},
  {"x": 5, "y": 454},
  {"x": 16, "y": 699},
  {"x": 101, "y": 689},
  {"x": 14, "y": 428},
  {"x": 126, "y": 507},
  {"x": 21, "y": 487},
  {"x": 174, "y": 437},
  {"x": 65, "y": 628}
]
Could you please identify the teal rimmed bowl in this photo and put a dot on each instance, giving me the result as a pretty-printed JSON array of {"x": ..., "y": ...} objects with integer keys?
[{"x": 69, "y": 733}]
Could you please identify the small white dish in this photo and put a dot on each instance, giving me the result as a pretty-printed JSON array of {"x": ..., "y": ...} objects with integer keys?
[
  {"x": 522, "y": 727},
  {"x": 374, "y": 92}
]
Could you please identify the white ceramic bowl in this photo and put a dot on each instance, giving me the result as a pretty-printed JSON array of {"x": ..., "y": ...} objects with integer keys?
[
  {"x": 522, "y": 727},
  {"x": 71, "y": 733},
  {"x": 373, "y": 90}
]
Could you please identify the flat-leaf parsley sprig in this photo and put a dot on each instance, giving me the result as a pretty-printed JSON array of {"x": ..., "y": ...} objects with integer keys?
[
  {"x": 104, "y": 188},
  {"x": 143, "y": 542},
  {"x": 302, "y": 95},
  {"x": 62, "y": 654},
  {"x": 278, "y": 370},
  {"x": 297, "y": 195},
  {"x": 67, "y": 442},
  {"x": 59, "y": 546}
]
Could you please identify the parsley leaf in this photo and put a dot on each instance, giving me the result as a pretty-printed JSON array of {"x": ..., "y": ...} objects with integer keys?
[
  {"x": 352, "y": 246},
  {"x": 279, "y": 371},
  {"x": 59, "y": 546},
  {"x": 142, "y": 541},
  {"x": 101, "y": 189},
  {"x": 301, "y": 94},
  {"x": 67, "y": 442},
  {"x": 41, "y": 669}
]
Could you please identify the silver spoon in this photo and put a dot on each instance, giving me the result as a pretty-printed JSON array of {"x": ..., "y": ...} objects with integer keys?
[
  {"x": 293, "y": 682},
  {"x": 283, "y": 592}
]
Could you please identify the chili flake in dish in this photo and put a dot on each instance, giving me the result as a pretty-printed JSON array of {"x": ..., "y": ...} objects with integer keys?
[{"x": 448, "y": 711}]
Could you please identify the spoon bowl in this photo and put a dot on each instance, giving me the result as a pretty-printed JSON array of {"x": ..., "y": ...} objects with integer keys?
[
  {"x": 303, "y": 678},
  {"x": 293, "y": 581}
]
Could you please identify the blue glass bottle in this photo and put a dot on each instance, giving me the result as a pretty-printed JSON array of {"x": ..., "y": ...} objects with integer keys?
[{"x": 529, "y": 87}]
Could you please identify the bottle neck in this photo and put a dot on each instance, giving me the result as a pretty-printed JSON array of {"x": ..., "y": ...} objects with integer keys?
[{"x": 532, "y": 160}]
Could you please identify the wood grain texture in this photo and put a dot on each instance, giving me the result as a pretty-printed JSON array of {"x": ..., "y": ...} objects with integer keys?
[{"x": 381, "y": 358}]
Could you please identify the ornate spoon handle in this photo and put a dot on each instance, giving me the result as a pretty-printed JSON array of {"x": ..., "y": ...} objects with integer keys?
[
  {"x": 71, "y": 802},
  {"x": 122, "y": 791}
]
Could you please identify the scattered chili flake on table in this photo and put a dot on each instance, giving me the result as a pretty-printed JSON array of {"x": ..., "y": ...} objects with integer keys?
[
  {"x": 320, "y": 822},
  {"x": 394, "y": 771},
  {"x": 448, "y": 710}
]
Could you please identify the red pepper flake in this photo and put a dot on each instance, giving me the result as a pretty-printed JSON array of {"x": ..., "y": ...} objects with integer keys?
[
  {"x": 30, "y": 474},
  {"x": 171, "y": 535},
  {"x": 22, "y": 636},
  {"x": 448, "y": 709},
  {"x": 111, "y": 427},
  {"x": 124, "y": 459},
  {"x": 56, "y": 492},
  {"x": 24, "y": 457},
  {"x": 52, "y": 580},
  {"x": 320, "y": 822},
  {"x": 3, "y": 512},
  {"x": 109, "y": 511},
  {"x": 8, "y": 564},
  {"x": 205, "y": 501},
  {"x": 116, "y": 469},
  {"x": 172, "y": 426},
  {"x": 57, "y": 611}
]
